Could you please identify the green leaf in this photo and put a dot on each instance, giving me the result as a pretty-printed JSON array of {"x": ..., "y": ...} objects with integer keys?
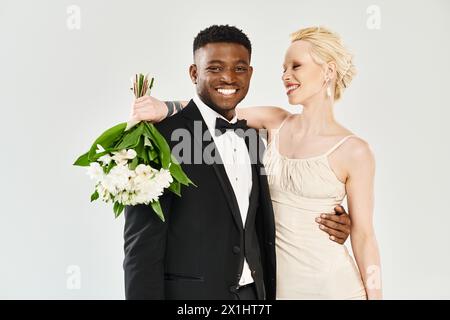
[
  {"x": 157, "y": 163},
  {"x": 156, "y": 206},
  {"x": 175, "y": 187},
  {"x": 134, "y": 163},
  {"x": 94, "y": 196},
  {"x": 82, "y": 160},
  {"x": 118, "y": 208},
  {"x": 123, "y": 135},
  {"x": 165, "y": 154},
  {"x": 151, "y": 85},
  {"x": 115, "y": 207},
  {"x": 131, "y": 138},
  {"x": 96, "y": 156},
  {"x": 152, "y": 154},
  {"x": 140, "y": 147},
  {"x": 178, "y": 173},
  {"x": 160, "y": 142},
  {"x": 147, "y": 142},
  {"x": 140, "y": 84},
  {"x": 107, "y": 138},
  {"x": 109, "y": 167}
]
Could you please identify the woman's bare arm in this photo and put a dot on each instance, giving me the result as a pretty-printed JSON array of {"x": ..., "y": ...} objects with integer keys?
[
  {"x": 360, "y": 166},
  {"x": 149, "y": 108},
  {"x": 263, "y": 117}
]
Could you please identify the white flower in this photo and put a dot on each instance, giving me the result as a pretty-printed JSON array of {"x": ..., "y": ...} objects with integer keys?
[
  {"x": 131, "y": 154},
  {"x": 105, "y": 159},
  {"x": 142, "y": 185},
  {"x": 95, "y": 172},
  {"x": 104, "y": 195},
  {"x": 164, "y": 178},
  {"x": 109, "y": 185},
  {"x": 121, "y": 157},
  {"x": 124, "y": 197},
  {"x": 145, "y": 170},
  {"x": 148, "y": 192},
  {"x": 118, "y": 179}
]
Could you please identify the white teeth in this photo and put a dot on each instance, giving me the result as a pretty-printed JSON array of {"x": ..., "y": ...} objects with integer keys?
[
  {"x": 293, "y": 87},
  {"x": 227, "y": 92}
]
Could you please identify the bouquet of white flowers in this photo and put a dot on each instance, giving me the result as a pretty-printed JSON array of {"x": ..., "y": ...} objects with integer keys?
[{"x": 132, "y": 164}]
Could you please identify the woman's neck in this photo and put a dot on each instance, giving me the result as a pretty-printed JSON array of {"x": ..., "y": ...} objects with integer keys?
[{"x": 316, "y": 117}]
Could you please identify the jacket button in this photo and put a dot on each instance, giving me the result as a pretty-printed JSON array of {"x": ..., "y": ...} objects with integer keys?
[
  {"x": 236, "y": 249},
  {"x": 253, "y": 272},
  {"x": 270, "y": 243}
]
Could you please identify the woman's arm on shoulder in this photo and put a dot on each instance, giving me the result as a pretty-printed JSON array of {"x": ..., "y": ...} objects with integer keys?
[
  {"x": 151, "y": 109},
  {"x": 263, "y": 117},
  {"x": 360, "y": 167}
]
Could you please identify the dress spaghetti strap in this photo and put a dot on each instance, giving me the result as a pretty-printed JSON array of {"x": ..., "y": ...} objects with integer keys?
[
  {"x": 282, "y": 123},
  {"x": 337, "y": 145},
  {"x": 277, "y": 131}
]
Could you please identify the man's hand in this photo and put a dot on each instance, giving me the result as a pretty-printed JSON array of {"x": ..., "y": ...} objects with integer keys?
[
  {"x": 337, "y": 225},
  {"x": 147, "y": 108}
]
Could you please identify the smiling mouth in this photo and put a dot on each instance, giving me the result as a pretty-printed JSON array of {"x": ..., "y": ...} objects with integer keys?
[
  {"x": 292, "y": 88},
  {"x": 227, "y": 92}
]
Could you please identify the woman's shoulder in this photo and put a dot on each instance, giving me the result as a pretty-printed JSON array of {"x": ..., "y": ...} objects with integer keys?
[
  {"x": 353, "y": 147},
  {"x": 356, "y": 150},
  {"x": 279, "y": 117},
  {"x": 278, "y": 120}
]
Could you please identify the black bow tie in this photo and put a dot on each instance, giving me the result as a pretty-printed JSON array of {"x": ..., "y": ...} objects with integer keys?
[{"x": 222, "y": 126}]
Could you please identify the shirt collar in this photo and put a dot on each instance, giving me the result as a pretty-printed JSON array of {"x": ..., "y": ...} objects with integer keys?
[{"x": 210, "y": 115}]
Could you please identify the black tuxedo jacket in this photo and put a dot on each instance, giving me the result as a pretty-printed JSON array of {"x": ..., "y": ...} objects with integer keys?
[{"x": 198, "y": 252}]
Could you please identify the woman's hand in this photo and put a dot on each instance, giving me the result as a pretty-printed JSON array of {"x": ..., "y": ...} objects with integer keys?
[{"x": 147, "y": 108}]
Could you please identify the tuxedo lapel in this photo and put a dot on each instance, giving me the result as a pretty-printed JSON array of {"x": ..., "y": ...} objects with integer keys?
[{"x": 192, "y": 113}]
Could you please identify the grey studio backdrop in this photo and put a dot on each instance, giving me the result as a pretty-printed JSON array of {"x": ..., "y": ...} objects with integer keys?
[{"x": 64, "y": 78}]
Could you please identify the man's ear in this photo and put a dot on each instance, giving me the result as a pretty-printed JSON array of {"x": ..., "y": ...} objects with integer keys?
[
  {"x": 193, "y": 73},
  {"x": 250, "y": 69}
]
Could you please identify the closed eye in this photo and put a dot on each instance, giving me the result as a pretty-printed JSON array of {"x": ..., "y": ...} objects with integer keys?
[{"x": 213, "y": 69}]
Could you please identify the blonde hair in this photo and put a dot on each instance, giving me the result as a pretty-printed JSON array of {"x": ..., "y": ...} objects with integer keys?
[{"x": 326, "y": 46}]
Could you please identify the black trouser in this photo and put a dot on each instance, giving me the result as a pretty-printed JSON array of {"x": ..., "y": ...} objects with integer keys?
[{"x": 247, "y": 292}]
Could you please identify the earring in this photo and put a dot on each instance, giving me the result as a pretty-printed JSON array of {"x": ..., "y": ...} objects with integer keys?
[{"x": 328, "y": 91}]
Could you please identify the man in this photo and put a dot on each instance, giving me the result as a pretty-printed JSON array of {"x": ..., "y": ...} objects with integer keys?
[{"x": 218, "y": 239}]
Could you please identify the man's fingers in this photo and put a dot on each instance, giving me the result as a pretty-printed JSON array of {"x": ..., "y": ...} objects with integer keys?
[
  {"x": 338, "y": 240},
  {"x": 334, "y": 234},
  {"x": 333, "y": 223},
  {"x": 339, "y": 210},
  {"x": 329, "y": 223},
  {"x": 342, "y": 219}
]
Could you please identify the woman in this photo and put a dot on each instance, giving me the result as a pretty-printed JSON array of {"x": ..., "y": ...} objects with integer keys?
[{"x": 312, "y": 163}]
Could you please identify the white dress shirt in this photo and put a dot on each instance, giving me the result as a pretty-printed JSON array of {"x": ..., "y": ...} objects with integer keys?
[{"x": 236, "y": 160}]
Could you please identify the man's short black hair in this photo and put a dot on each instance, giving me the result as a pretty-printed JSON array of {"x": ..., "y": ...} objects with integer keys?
[{"x": 222, "y": 33}]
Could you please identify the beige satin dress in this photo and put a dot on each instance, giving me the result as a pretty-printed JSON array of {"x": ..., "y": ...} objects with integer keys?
[{"x": 309, "y": 264}]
